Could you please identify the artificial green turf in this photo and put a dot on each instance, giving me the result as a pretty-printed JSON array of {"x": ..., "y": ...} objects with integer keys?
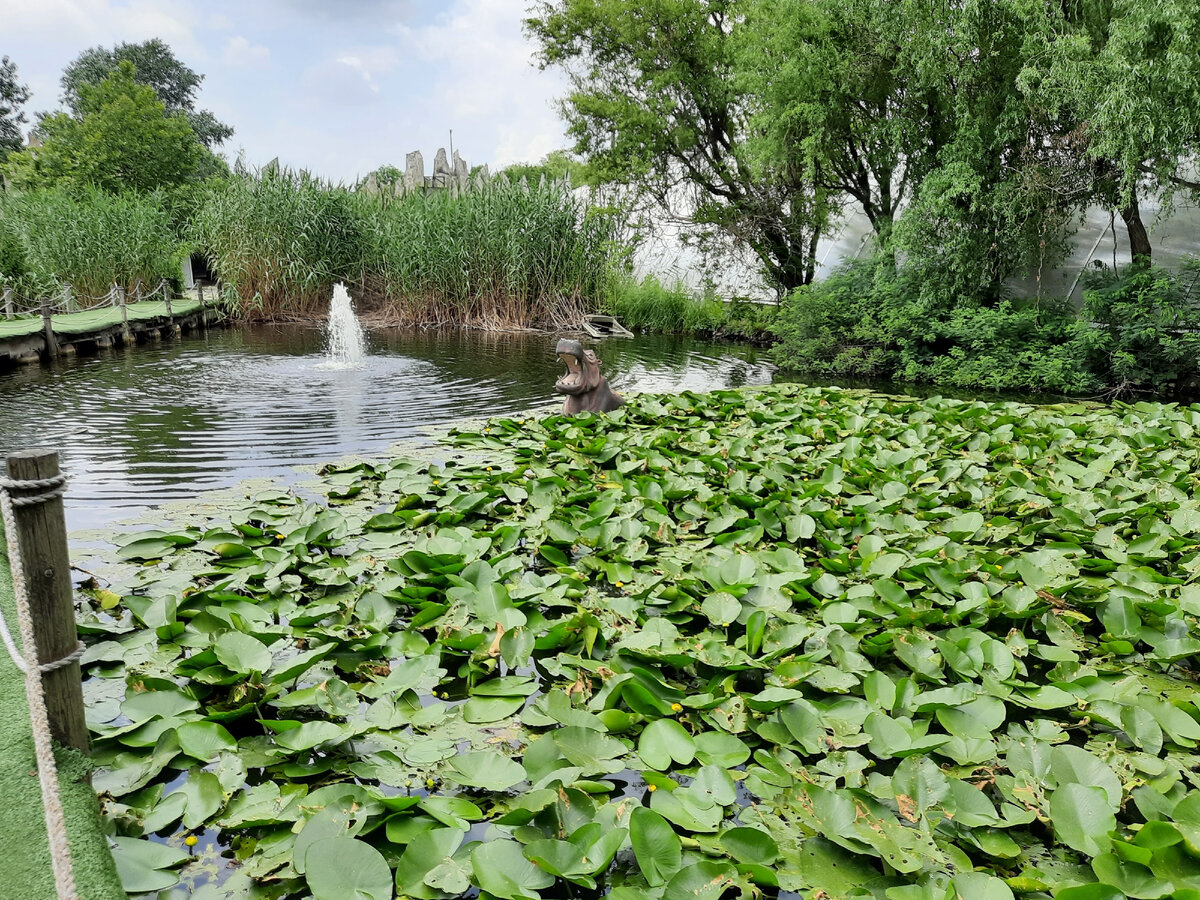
[
  {"x": 95, "y": 319},
  {"x": 25, "y": 872}
]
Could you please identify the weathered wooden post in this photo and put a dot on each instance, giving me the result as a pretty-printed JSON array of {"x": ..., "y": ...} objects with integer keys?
[
  {"x": 42, "y": 539},
  {"x": 172, "y": 328},
  {"x": 48, "y": 328},
  {"x": 126, "y": 336},
  {"x": 203, "y": 308},
  {"x": 8, "y": 304}
]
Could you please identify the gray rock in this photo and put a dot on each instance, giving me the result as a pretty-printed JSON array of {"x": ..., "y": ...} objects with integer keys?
[
  {"x": 414, "y": 171},
  {"x": 441, "y": 165}
]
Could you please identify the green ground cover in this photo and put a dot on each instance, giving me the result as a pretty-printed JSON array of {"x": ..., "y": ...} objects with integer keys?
[
  {"x": 96, "y": 319},
  {"x": 844, "y": 644},
  {"x": 25, "y": 865}
]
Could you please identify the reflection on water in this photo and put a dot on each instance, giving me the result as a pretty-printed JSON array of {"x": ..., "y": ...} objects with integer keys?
[{"x": 150, "y": 424}]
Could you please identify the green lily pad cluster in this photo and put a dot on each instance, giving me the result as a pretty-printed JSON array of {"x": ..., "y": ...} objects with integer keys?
[{"x": 810, "y": 640}]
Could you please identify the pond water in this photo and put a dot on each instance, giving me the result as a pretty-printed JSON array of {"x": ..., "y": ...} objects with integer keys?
[{"x": 156, "y": 423}]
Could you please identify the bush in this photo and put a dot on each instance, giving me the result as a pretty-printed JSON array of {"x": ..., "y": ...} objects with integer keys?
[
  {"x": 867, "y": 319},
  {"x": 647, "y": 305},
  {"x": 1141, "y": 332}
]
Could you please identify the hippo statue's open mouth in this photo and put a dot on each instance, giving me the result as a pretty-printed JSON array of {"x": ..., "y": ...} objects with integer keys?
[{"x": 585, "y": 387}]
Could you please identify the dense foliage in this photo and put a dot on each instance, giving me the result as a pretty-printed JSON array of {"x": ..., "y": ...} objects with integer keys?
[
  {"x": 155, "y": 65},
  {"x": 648, "y": 305},
  {"x": 497, "y": 255},
  {"x": 849, "y": 645},
  {"x": 990, "y": 123},
  {"x": 122, "y": 139},
  {"x": 1136, "y": 333},
  {"x": 88, "y": 238},
  {"x": 13, "y": 95}
]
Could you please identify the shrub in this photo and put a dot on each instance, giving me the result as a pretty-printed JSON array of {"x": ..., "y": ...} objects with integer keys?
[
  {"x": 1141, "y": 332},
  {"x": 648, "y": 305},
  {"x": 867, "y": 319}
]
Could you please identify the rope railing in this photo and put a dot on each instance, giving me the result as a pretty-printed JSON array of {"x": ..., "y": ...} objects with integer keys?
[
  {"x": 14, "y": 306},
  {"x": 33, "y": 670}
]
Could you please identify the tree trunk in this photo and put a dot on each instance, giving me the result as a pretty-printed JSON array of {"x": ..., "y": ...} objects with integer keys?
[{"x": 1139, "y": 240}]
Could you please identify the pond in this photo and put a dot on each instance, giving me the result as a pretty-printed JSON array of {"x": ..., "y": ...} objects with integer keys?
[{"x": 158, "y": 423}]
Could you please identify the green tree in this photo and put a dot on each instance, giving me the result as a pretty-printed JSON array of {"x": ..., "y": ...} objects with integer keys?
[
  {"x": 834, "y": 95},
  {"x": 555, "y": 166},
  {"x": 13, "y": 95},
  {"x": 157, "y": 66},
  {"x": 123, "y": 139},
  {"x": 1122, "y": 78},
  {"x": 655, "y": 105}
]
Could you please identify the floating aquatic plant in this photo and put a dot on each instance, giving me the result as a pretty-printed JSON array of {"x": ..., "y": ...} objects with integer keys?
[{"x": 720, "y": 645}]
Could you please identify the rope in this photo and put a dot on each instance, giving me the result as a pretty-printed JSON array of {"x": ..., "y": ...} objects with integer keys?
[{"x": 56, "y": 829}]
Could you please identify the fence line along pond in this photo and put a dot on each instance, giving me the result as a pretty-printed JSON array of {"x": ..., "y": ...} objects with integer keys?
[{"x": 45, "y": 329}]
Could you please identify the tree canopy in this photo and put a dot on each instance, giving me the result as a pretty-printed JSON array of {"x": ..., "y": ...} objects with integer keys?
[
  {"x": 970, "y": 134},
  {"x": 155, "y": 65},
  {"x": 122, "y": 139},
  {"x": 656, "y": 104},
  {"x": 13, "y": 95}
]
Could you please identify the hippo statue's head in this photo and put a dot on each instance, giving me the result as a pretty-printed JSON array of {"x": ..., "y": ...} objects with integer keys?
[{"x": 585, "y": 387}]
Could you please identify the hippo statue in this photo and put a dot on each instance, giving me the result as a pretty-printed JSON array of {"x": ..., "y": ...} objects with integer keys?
[{"x": 586, "y": 389}]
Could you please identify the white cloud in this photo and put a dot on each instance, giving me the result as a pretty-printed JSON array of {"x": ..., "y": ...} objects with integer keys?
[
  {"x": 337, "y": 84},
  {"x": 240, "y": 52},
  {"x": 487, "y": 80},
  {"x": 353, "y": 62}
]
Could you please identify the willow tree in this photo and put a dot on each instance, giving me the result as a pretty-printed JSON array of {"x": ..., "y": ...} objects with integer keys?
[
  {"x": 833, "y": 95},
  {"x": 1123, "y": 78},
  {"x": 656, "y": 105}
]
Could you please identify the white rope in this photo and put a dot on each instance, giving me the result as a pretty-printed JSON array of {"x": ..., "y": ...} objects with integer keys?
[{"x": 56, "y": 829}]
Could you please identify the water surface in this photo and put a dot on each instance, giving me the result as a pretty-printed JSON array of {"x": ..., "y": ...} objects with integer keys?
[{"x": 154, "y": 423}]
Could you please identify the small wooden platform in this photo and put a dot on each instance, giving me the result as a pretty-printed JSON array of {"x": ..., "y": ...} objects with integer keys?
[
  {"x": 604, "y": 326},
  {"x": 28, "y": 339}
]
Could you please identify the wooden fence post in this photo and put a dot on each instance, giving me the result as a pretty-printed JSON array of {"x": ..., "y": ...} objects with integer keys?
[
  {"x": 48, "y": 327},
  {"x": 126, "y": 336},
  {"x": 8, "y": 304},
  {"x": 203, "y": 308},
  {"x": 42, "y": 539}
]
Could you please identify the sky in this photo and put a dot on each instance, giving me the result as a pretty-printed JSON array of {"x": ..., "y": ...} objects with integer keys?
[{"x": 338, "y": 88}]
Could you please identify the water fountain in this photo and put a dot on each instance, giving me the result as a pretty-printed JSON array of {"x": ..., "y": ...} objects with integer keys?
[{"x": 346, "y": 344}]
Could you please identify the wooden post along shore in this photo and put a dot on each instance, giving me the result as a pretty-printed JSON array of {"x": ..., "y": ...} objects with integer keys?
[
  {"x": 42, "y": 543},
  {"x": 48, "y": 325}
]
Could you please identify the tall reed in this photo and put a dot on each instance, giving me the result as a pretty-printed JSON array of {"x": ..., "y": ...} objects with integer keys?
[
  {"x": 87, "y": 238},
  {"x": 281, "y": 240},
  {"x": 498, "y": 256}
]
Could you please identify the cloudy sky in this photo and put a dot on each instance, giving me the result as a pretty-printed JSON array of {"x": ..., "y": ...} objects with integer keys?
[{"x": 335, "y": 86}]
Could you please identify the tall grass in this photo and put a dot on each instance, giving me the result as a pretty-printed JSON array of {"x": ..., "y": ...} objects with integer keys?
[
  {"x": 281, "y": 240},
  {"x": 501, "y": 255},
  {"x": 498, "y": 256},
  {"x": 87, "y": 238},
  {"x": 648, "y": 305}
]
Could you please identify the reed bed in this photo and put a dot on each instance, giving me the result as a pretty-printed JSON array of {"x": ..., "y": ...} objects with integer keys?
[
  {"x": 498, "y": 257},
  {"x": 86, "y": 238},
  {"x": 281, "y": 240}
]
